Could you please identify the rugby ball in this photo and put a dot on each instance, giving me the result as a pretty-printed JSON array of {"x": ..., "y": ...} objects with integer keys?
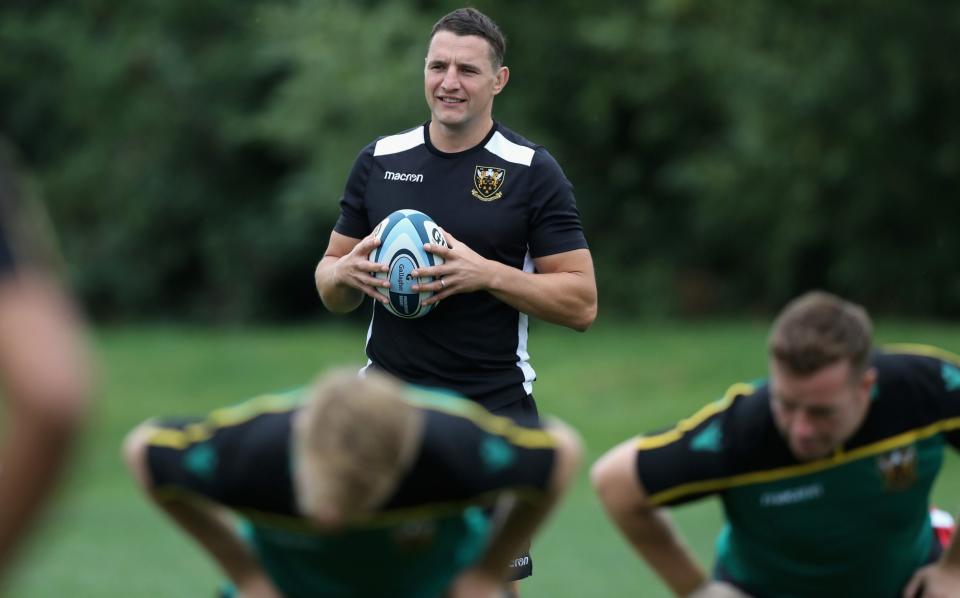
[{"x": 402, "y": 235}]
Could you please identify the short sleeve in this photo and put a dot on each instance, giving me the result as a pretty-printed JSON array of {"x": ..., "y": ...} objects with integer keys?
[
  {"x": 241, "y": 465},
  {"x": 671, "y": 464},
  {"x": 706, "y": 452},
  {"x": 555, "y": 225},
  {"x": 353, "y": 221},
  {"x": 476, "y": 456}
]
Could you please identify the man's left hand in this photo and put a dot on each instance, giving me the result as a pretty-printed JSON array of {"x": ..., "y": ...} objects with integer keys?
[
  {"x": 939, "y": 580},
  {"x": 463, "y": 270}
]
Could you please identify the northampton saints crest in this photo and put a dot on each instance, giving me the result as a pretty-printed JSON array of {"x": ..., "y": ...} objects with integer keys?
[
  {"x": 487, "y": 181},
  {"x": 899, "y": 468}
]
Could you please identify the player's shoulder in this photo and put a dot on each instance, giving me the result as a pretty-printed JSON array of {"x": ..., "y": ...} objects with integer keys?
[
  {"x": 397, "y": 143},
  {"x": 907, "y": 368},
  {"x": 915, "y": 384},
  {"x": 907, "y": 356},
  {"x": 735, "y": 422},
  {"x": 514, "y": 147}
]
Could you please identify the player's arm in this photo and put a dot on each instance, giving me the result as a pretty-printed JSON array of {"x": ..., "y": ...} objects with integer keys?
[
  {"x": 343, "y": 275},
  {"x": 647, "y": 527},
  {"x": 939, "y": 580},
  {"x": 563, "y": 290},
  {"x": 205, "y": 521},
  {"x": 46, "y": 381},
  {"x": 522, "y": 516}
]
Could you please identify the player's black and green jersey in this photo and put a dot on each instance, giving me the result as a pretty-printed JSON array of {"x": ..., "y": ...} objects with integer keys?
[
  {"x": 509, "y": 201},
  {"x": 853, "y": 524},
  {"x": 432, "y": 527}
]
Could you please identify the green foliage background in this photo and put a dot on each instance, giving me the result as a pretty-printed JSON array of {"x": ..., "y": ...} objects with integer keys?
[{"x": 725, "y": 156}]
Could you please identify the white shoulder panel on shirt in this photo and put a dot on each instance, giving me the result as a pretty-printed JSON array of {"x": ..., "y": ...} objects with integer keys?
[
  {"x": 394, "y": 144},
  {"x": 510, "y": 151}
]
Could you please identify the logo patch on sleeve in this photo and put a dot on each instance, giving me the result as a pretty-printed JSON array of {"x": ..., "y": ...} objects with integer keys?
[
  {"x": 201, "y": 461},
  {"x": 709, "y": 439},
  {"x": 496, "y": 454},
  {"x": 951, "y": 377}
]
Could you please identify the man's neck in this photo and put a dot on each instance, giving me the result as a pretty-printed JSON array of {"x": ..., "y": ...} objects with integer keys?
[{"x": 451, "y": 140}]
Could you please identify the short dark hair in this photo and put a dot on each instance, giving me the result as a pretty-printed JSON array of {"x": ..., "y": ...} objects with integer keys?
[
  {"x": 818, "y": 329},
  {"x": 470, "y": 21}
]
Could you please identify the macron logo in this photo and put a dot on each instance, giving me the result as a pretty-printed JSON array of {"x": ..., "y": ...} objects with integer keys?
[{"x": 408, "y": 177}]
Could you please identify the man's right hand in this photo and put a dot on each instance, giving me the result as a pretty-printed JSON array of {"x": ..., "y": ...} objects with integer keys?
[
  {"x": 356, "y": 270},
  {"x": 345, "y": 273}
]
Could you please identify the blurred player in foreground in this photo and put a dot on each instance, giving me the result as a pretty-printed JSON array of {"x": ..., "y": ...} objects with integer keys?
[
  {"x": 44, "y": 364},
  {"x": 356, "y": 487},
  {"x": 824, "y": 470}
]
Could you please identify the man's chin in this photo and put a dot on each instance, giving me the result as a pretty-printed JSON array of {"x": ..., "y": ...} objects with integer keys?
[{"x": 809, "y": 453}]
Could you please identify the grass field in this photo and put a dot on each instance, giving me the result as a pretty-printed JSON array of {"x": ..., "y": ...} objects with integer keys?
[{"x": 101, "y": 540}]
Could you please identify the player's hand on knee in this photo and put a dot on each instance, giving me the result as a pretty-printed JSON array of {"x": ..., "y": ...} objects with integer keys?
[
  {"x": 939, "y": 580},
  {"x": 476, "y": 583},
  {"x": 356, "y": 270}
]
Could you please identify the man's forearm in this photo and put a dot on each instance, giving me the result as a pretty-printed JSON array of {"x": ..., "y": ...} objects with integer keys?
[
  {"x": 565, "y": 298},
  {"x": 213, "y": 528},
  {"x": 652, "y": 534},
  {"x": 33, "y": 454}
]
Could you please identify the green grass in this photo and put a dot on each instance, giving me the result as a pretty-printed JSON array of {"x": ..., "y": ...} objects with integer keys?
[{"x": 101, "y": 540}]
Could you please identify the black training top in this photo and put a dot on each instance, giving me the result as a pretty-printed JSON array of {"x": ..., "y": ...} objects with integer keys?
[{"x": 508, "y": 200}]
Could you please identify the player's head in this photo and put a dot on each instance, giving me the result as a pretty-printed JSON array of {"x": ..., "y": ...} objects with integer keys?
[
  {"x": 470, "y": 21},
  {"x": 353, "y": 439},
  {"x": 464, "y": 67},
  {"x": 820, "y": 382}
]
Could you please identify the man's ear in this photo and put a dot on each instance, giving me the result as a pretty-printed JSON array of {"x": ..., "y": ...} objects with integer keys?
[
  {"x": 867, "y": 381},
  {"x": 503, "y": 75}
]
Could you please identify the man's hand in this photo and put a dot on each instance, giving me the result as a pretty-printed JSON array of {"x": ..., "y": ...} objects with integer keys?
[
  {"x": 355, "y": 270},
  {"x": 463, "y": 270},
  {"x": 939, "y": 580}
]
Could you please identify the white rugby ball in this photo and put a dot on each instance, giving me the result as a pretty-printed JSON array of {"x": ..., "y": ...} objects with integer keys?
[{"x": 402, "y": 235}]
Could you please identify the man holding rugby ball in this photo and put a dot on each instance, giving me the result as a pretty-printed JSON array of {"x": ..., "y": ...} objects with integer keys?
[{"x": 517, "y": 247}]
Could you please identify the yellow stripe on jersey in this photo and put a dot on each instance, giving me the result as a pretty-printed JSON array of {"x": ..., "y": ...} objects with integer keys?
[
  {"x": 221, "y": 418},
  {"x": 377, "y": 519},
  {"x": 686, "y": 425},
  {"x": 839, "y": 458},
  {"x": 925, "y": 350},
  {"x": 532, "y": 438}
]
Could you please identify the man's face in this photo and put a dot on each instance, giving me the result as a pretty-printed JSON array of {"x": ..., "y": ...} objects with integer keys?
[
  {"x": 816, "y": 413},
  {"x": 460, "y": 80}
]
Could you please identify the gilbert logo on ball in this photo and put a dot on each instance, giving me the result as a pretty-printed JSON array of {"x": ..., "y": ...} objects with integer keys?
[{"x": 402, "y": 235}]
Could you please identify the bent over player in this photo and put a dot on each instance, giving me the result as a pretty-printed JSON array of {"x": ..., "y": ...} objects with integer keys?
[
  {"x": 356, "y": 487},
  {"x": 824, "y": 470}
]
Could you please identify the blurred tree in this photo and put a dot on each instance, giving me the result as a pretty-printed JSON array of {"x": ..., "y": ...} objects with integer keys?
[{"x": 725, "y": 156}]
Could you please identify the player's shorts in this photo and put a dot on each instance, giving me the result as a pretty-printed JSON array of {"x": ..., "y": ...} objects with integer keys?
[{"x": 522, "y": 411}]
